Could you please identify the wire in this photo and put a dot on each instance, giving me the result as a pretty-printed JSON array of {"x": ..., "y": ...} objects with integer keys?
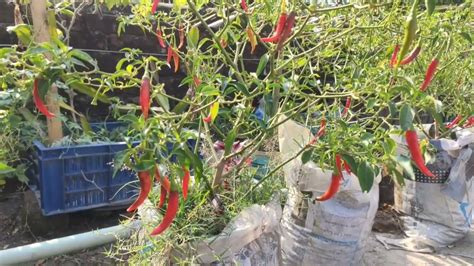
[{"x": 123, "y": 52}]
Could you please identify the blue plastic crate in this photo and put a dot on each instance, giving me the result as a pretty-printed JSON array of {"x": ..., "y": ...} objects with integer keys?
[{"x": 80, "y": 177}]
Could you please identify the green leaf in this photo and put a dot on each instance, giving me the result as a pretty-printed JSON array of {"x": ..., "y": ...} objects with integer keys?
[
  {"x": 82, "y": 88},
  {"x": 371, "y": 103},
  {"x": 306, "y": 156},
  {"x": 83, "y": 56},
  {"x": 193, "y": 36},
  {"x": 389, "y": 146},
  {"x": 398, "y": 177},
  {"x": 430, "y": 6},
  {"x": 22, "y": 31},
  {"x": 5, "y": 169},
  {"x": 366, "y": 176},
  {"x": 405, "y": 163},
  {"x": 262, "y": 64},
  {"x": 393, "y": 109},
  {"x": 406, "y": 117},
  {"x": 208, "y": 90},
  {"x": 119, "y": 160},
  {"x": 164, "y": 102},
  {"x": 466, "y": 36},
  {"x": 352, "y": 163},
  {"x": 229, "y": 141},
  {"x": 85, "y": 125}
]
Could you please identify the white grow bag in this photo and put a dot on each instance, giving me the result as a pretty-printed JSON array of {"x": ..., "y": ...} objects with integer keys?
[{"x": 332, "y": 232}]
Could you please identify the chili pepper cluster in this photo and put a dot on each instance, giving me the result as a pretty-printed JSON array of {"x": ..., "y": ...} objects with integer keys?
[{"x": 168, "y": 189}]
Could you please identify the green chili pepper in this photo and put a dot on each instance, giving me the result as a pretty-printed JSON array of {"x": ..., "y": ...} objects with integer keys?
[{"x": 410, "y": 31}]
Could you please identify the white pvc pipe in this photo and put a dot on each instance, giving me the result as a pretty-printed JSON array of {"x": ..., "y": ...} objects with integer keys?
[{"x": 66, "y": 244}]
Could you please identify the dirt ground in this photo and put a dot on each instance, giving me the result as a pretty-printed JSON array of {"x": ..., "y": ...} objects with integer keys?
[{"x": 18, "y": 229}]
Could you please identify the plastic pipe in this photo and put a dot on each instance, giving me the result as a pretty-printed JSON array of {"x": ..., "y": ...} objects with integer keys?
[{"x": 66, "y": 244}]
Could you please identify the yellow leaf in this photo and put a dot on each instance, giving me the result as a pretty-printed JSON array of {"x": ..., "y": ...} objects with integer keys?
[
  {"x": 214, "y": 110},
  {"x": 178, "y": 4},
  {"x": 252, "y": 38}
]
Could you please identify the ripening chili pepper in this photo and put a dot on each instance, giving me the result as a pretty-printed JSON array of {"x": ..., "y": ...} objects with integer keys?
[
  {"x": 154, "y": 6},
  {"x": 454, "y": 122},
  {"x": 335, "y": 181},
  {"x": 181, "y": 36},
  {"x": 185, "y": 182},
  {"x": 393, "y": 59},
  {"x": 165, "y": 182},
  {"x": 39, "y": 103},
  {"x": 414, "y": 148},
  {"x": 321, "y": 131},
  {"x": 410, "y": 31},
  {"x": 171, "y": 210},
  {"x": 287, "y": 30},
  {"x": 197, "y": 81},
  {"x": 412, "y": 56},
  {"x": 278, "y": 29},
  {"x": 347, "y": 106},
  {"x": 223, "y": 43},
  {"x": 145, "y": 187},
  {"x": 145, "y": 96},
  {"x": 175, "y": 61},
  {"x": 169, "y": 55},
  {"x": 207, "y": 119},
  {"x": 163, "y": 193},
  {"x": 429, "y": 74},
  {"x": 243, "y": 4},
  {"x": 159, "y": 35}
]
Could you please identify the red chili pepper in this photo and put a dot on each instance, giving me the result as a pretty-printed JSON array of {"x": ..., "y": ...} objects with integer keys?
[
  {"x": 244, "y": 5},
  {"x": 429, "y": 74},
  {"x": 414, "y": 148},
  {"x": 39, "y": 103},
  {"x": 154, "y": 6},
  {"x": 454, "y": 122},
  {"x": 181, "y": 36},
  {"x": 162, "y": 197},
  {"x": 347, "y": 168},
  {"x": 159, "y": 35},
  {"x": 347, "y": 106},
  {"x": 321, "y": 131},
  {"x": 207, "y": 119},
  {"x": 145, "y": 187},
  {"x": 185, "y": 182},
  {"x": 469, "y": 122},
  {"x": 335, "y": 182},
  {"x": 145, "y": 96},
  {"x": 412, "y": 56},
  {"x": 287, "y": 30},
  {"x": 278, "y": 29},
  {"x": 171, "y": 210},
  {"x": 393, "y": 60},
  {"x": 176, "y": 61},
  {"x": 169, "y": 55}
]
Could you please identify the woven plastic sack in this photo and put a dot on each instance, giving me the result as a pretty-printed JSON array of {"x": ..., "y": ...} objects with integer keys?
[
  {"x": 251, "y": 238},
  {"x": 332, "y": 232},
  {"x": 439, "y": 211}
]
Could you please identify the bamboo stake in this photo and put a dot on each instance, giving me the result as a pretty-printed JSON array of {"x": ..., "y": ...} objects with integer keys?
[{"x": 41, "y": 34}]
